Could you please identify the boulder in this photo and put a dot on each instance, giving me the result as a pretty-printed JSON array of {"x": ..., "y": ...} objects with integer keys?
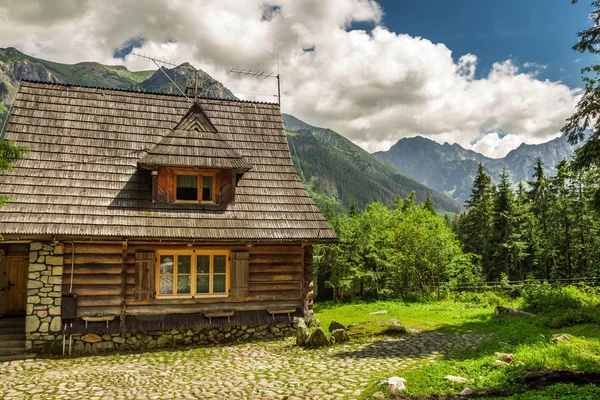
[
  {"x": 466, "y": 392},
  {"x": 314, "y": 323},
  {"x": 379, "y": 395},
  {"x": 318, "y": 338},
  {"x": 394, "y": 384},
  {"x": 340, "y": 335},
  {"x": 378, "y": 312},
  {"x": 499, "y": 310},
  {"x": 561, "y": 338},
  {"x": 336, "y": 325},
  {"x": 301, "y": 333},
  {"x": 455, "y": 379}
]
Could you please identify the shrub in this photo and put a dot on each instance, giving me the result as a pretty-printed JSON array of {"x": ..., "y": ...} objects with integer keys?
[
  {"x": 544, "y": 298},
  {"x": 487, "y": 298}
]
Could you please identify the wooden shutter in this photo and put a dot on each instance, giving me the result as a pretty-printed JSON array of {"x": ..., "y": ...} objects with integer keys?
[
  {"x": 226, "y": 187},
  {"x": 144, "y": 275},
  {"x": 239, "y": 274}
]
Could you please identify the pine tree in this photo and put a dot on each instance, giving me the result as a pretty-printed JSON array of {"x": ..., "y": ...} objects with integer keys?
[
  {"x": 475, "y": 225},
  {"x": 540, "y": 206},
  {"x": 502, "y": 230},
  {"x": 428, "y": 204}
]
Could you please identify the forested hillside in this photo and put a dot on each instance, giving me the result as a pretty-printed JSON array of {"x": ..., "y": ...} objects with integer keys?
[{"x": 339, "y": 173}]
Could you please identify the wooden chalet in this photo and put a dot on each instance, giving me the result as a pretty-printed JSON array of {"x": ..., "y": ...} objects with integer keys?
[{"x": 135, "y": 215}]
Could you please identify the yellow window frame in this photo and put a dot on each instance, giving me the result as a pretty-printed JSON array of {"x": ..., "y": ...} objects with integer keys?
[{"x": 193, "y": 273}]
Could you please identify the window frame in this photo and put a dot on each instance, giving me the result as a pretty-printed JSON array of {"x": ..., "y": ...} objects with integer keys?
[
  {"x": 193, "y": 273},
  {"x": 199, "y": 177}
]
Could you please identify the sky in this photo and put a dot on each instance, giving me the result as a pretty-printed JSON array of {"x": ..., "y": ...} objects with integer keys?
[{"x": 489, "y": 75}]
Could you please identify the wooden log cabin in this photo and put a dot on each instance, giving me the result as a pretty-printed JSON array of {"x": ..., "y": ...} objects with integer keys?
[{"x": 142, "y": 220}]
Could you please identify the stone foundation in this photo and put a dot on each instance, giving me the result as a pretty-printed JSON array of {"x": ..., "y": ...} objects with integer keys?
[
  {"x": 90, "y": 343},
  {"x": 44, "y": 295}
]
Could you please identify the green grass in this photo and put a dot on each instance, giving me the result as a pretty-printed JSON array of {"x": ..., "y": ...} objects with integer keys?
[{"x": 527, "y": 338}]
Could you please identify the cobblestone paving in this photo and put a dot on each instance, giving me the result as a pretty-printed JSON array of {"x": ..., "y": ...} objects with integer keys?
[{"x": 270, "y": 370}]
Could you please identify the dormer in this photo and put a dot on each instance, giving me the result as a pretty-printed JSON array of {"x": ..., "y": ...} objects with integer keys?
[{"x": 194, "y": 164}]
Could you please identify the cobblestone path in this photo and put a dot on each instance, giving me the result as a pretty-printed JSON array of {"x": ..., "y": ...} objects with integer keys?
[{"x": 269, "y": 370}]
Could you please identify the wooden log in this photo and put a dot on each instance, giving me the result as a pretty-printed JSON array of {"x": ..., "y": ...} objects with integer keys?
[
  {"x": 82, "y": 311},
  {"x": 276, "y": 250},
  {"x": 100, "y": 258},
  {"x": 89, "y": 248},
  {"x": 95, "y": 290},
  {"x": 275, "y": 259},
  {"x": 266, "y": 277},
  {"x": 96, "y": 279},
  {"x": 274, "y": 287},
  {"x": 203, "y": 308},
  {"x": 98, "y": 301},
  {"x": 92, "y": 269},
  {"x": 275, "y": 269},
  {"x": 499, "y": 310}
]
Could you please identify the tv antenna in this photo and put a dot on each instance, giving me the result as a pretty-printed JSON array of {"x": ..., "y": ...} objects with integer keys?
[
  {"x": 262, "y": 74},
  {"x": 189, "y": 90}
]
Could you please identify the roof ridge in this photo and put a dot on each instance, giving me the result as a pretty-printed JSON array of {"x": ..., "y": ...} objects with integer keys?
[{"x": 144, "y": 91}]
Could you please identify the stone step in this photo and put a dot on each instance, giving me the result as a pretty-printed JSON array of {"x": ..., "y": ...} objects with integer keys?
[
  {"x": 18, "y": 349},
  {"x": 17, "y": 356},
  {"x": 8, "y": 322},
  {"x": 9, "y": 344},
  {"x": 11, "y": 336},
  {"x": 12, "y": 330}
]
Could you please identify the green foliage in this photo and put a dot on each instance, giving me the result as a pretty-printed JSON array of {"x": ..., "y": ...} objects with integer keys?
[
  {"x": 487, "y": 298},
  {"x": 9, "y": 154},
  {"x": 392, "y": 253},
  {"x": 547, "y": 230},
  {"x": 545, "y": 298}
]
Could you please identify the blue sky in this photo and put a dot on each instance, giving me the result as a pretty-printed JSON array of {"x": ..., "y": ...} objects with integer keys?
[{"x": 540, "y": 31}]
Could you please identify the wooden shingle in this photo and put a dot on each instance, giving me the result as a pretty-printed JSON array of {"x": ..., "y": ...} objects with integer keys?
[{"x": 81, "y": 176}]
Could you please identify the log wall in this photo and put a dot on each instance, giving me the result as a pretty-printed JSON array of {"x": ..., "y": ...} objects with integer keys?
[{"x": 104, "y": 280}]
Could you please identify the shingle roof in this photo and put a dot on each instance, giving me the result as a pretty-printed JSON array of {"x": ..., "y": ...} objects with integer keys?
[
  {"x": 195, "y": 142},
  {"x": 81, "y": 178}
]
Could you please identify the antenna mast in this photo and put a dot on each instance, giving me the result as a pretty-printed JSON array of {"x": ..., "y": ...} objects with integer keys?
[
  {"x": 261, "y": 74},
  {"x": 156, "y": 61}
]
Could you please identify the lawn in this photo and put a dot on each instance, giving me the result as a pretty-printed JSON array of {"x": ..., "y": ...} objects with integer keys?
[{"x": 527, "y": 338}]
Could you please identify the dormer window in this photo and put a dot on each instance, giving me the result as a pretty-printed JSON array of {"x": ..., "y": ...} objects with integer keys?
[
  {"x": 197, "y": 187},
  {"x": 194, "y": 164}
]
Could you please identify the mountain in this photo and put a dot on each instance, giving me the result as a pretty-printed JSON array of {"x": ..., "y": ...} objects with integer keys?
[
  {"x": 335, "y": 170},
  {"x": 15, "y": 66},
  {"x": 450, "y": 168},
  {"x": 339, "y": 173}
]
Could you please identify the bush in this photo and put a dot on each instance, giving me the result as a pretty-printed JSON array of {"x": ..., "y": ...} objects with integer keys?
[
  {"x": 571, "y": 317},
  {"x": 543, "y": 298},
  {"x": 488, "y": 298}
]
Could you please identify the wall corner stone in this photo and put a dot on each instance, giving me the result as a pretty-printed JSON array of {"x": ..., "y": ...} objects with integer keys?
[{"x": 44, "y": 294}]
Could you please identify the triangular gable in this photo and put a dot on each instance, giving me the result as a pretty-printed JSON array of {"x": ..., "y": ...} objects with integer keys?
[
  {"x": 195, "y": 142},
  {"x": 196, "y": 119}
]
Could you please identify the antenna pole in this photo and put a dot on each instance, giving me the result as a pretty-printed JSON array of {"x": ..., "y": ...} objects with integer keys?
[{"x": 259, "y": 74}]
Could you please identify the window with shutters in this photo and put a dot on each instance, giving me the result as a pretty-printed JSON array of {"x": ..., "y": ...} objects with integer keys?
[{"x": 192, "y": 273}]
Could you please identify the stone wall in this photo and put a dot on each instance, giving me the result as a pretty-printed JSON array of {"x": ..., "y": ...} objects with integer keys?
[
  {"x": 124, "y": 341},
  {"x": 44, "y": 295}
]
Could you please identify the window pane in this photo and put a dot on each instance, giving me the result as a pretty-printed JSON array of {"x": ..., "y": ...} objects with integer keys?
[
  {"x": 207, "y": 188},
  {"x": 166, "y": 284},
  {"x": 166, "y": 264},
  {"x": 219, "y": 284},
  {"x": 187, "y": 187},
  {"x": 203, "y": 264},
  {"x": 202, "y": 284},
  {"x": 183, "y": 284},
  {"x": 220, "y": 265},
  {"x": 184, "y": 264}
]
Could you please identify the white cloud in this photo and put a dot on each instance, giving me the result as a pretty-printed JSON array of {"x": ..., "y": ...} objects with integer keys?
[{"x": 374, "y": 87}]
